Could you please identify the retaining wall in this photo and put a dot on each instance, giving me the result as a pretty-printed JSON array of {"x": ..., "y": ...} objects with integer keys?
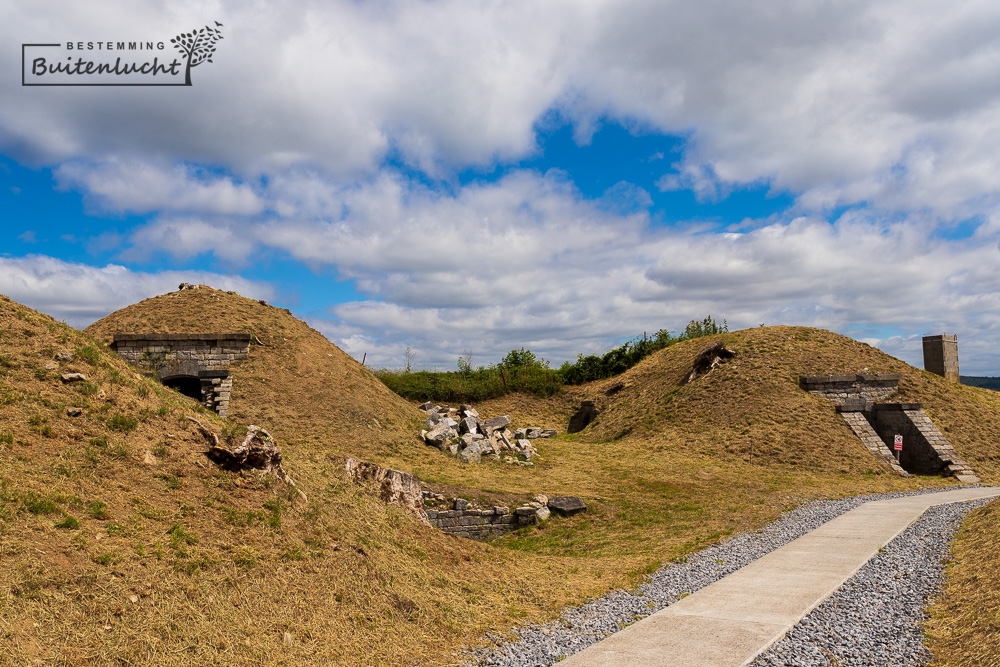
[
  {"x": 925, "y": 449},
  {"x": 203, "y": 356},
  {"x": 479, "y": 524},
  {"x": 840, "y": 388}
]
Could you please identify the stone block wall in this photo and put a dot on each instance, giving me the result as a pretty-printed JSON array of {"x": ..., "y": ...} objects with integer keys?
[
  {"x": 917, "y": 456},
  {"x": 480, "y": 524},
  {"x": 216, "y": 386},
  {"x": 872, "y": 441},
  {"x": 210, "y": 352},
  {"x": 203, "y": 356},
  {"x": 925, "y": 449},
  {"x": 840, "y": 388},
  {"x": 941, "y": 355}
]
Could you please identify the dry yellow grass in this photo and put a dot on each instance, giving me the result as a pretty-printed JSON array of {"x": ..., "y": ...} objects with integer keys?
[
  {"x": 222, "y": 565},
  {"x": 178, "y": 562},
  {"x": 964, "y": 628}
]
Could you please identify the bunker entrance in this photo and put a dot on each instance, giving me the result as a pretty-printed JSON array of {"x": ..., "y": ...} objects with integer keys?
[{"x": 187, "y": 385}]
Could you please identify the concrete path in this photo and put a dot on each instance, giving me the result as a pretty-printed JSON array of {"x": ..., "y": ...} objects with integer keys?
[{"x": 735, "y": 619}]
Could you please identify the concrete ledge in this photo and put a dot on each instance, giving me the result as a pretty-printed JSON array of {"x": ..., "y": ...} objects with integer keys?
[
  {"x": 213, "y": 374},
  {"x": 120, "y": 338}
]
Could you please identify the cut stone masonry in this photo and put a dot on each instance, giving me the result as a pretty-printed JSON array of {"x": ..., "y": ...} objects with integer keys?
[
  {"x": 941, "y": 356},
  {"x": 871, "y": 440},
  {"x": 455, "y": 516},
  {"x": 840, "y": 388},
  {"x": 925, "y": 449},
  {"x": 480, "y": 524},
  {"x": 195, "y": 364}
]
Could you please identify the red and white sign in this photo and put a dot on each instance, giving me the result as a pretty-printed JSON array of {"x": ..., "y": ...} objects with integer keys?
[{"x": 897, "y": 443}]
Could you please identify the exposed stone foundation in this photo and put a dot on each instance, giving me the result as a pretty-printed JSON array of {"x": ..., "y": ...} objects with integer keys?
[
  {"x": 188, "y": 360},
  {"x": 480, "y": 524},
  {"x": 839, "y": 388},
  {"x": 925, "y": 449}
]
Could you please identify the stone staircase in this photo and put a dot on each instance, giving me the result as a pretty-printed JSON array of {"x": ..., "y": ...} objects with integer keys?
[{"x": 870, "y": 439}]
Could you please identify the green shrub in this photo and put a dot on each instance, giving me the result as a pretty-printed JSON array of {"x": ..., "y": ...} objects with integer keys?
[
  {"x": 68, "y": 521},
  {"x": 521, "y": 371}
]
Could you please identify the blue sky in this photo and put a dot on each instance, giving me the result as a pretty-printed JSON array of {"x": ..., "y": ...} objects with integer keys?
[{"x": 474, "y": 177}]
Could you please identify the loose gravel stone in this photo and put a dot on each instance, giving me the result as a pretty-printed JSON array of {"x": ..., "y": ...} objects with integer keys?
[{"x": 579, "y": 627}]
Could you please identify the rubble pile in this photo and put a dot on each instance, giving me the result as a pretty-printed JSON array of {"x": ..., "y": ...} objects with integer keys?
[{"x": 462, "y": 433}]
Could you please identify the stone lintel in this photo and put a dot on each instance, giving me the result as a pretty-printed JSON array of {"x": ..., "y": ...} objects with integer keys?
[
  {"x": 897, "y": 406},
  {"x": 213, "y": 374},
  {"x": 854, "y": 405}
]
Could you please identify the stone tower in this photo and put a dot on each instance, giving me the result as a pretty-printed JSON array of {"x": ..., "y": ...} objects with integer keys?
[{"x": 941, "y": 355}]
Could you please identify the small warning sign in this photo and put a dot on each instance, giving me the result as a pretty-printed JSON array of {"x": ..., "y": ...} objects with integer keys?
[{"x": 897, "y": 443}]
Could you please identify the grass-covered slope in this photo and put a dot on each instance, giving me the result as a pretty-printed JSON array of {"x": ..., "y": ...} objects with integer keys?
[
  {"x": 121, "y": 543},
  {"x": 754, "y": 401},
  {"x": 672, "y": 465},
  {"x": 964, "y": 625},
  {"x": 222, "y": 566}
]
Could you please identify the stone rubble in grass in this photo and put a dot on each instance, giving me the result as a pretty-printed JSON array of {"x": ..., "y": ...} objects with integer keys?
[
  {"x": 462, "y": 433},
  {"x": 463, "y": 518}
]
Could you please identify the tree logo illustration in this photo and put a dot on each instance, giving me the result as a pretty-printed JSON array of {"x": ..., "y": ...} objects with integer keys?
[{"x": 198, "y": 46}]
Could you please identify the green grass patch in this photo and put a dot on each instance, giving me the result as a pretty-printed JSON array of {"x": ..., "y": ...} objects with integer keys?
[
  {"x": 38, "y": 504},
  {"x": 86, "y": 388},
  {"x": 88, "y": 353},
  {"x": 275, "y": 507},
  {"x": 122, "y": 423},
  {"x": 170, "y": 480},
  {"x": 97, "y": 509},
  {"x": 180, "y": 536},
  {"x": 109, "y": 558}
]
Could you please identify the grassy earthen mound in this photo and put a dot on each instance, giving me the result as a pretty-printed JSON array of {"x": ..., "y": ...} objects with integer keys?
[
  {"x": 295, "y": 383},
  {"x": 169, "y": 560},
  {"x": 670, "y": 464},
  {"x": 122, "y": 543},
  {"x": 752, "y": 405}
]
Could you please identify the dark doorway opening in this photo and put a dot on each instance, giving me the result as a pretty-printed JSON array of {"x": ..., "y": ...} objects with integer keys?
[{"x": 185, "y": 384}]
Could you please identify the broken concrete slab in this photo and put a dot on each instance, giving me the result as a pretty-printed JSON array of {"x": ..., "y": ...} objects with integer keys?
[{"x": 567, "y": 505}]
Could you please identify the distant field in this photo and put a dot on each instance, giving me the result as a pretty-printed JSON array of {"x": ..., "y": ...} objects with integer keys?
[{"x": 984, "y": 382}]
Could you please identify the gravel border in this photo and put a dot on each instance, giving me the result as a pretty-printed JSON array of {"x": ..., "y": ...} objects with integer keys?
[{"x": 812, "y": 639}]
